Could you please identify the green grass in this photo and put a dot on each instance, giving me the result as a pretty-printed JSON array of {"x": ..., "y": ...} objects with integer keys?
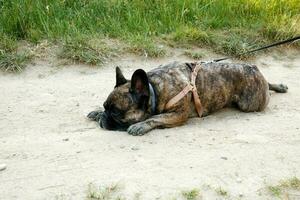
[
  {"x": 114, "y": 192},
  {"x": 10, "y": 59},
  {"x": 89, "y": 50},
  {"x": 227, "y": 26},
  {"x": 14, "y": 62},
  {"x": 145, "y": 47},
  {"x": 191, "y": 194},
  {"x": 275, "y": 190},
  {"x": 194, "y": 54},
  {"x": 283, "y": 186},
  {"x": 103, "y": 193},
  {"x": 221, "y": 191}
]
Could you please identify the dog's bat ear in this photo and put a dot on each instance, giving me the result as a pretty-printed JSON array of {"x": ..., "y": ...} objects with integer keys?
[
  {"x": 140, "y": 82},
  {"x": 140, "y": 88},
  {"x": 120, "y": 79}
]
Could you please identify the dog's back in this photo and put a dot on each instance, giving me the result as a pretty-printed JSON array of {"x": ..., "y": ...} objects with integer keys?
[{"x": 218, "y": 85}]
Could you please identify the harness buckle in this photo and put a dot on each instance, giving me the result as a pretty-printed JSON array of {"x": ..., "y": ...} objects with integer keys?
[{"x": 192, "y": 86}]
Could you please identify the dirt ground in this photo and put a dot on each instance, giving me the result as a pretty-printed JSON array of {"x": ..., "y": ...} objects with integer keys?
[{"x": 53, "y": 152}]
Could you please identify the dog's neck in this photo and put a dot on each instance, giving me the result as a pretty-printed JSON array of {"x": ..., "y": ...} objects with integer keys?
[{"x": 152, "y": 99}]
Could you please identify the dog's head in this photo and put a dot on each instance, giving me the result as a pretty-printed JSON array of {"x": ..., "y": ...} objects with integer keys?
[{"x": 128, "y": 103}]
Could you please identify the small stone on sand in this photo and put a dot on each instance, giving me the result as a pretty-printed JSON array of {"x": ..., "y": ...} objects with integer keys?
[
  {"x": 2, "y": 167},
  {"x": 135, "y": 148}
]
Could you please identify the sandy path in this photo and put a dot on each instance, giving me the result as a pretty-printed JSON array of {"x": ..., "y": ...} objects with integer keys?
[{"x": 53, "y": 152}]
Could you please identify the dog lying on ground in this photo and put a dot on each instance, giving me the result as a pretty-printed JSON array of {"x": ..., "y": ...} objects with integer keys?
[{"x": 139, "y": 105}]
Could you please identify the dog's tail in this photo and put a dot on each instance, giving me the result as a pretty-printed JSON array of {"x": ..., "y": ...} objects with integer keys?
[{"x": 280, "y": 88}]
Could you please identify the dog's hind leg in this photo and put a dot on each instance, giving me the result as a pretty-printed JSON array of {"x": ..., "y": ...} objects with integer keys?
[
  {"x": 280, "y": 88},
  {"x": 254, "y": 98}
]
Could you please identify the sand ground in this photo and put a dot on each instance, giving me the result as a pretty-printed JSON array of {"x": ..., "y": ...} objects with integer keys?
[{"x": 53, "y": 152}]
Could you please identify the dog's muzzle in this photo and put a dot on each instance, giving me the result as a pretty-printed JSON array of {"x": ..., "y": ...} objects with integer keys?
[{"x": 109, "y": 123}]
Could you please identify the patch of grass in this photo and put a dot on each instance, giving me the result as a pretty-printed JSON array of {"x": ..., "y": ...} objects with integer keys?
[
  {"x": 10, "y": 59},
  {"x": 13, "y": 61},
  {"x": 275, "y": 190},
  {"x": 234, "y": 42},
  {"x": 292, "y": 183},
  {"x": 227, "y": 26},
  {"x": 86, "y": 50},
  {"x": 113, "y": 193},
  {"x": 191, "y": 35},
  {"x": 221, "y": 191},
  {"x": 237, "y": 42},
  {"x": 7, "y": 44},
  {"x": 283, "y": 186},
  {"x": 191, "y": 194},
  {"x": 195, "y": 55},
  {"x": 144, "y": 46},
  {"x": 103, "y": 193}
]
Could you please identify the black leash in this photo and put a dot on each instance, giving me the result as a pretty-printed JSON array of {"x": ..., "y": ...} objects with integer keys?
[{"x": 262, "y": 48}]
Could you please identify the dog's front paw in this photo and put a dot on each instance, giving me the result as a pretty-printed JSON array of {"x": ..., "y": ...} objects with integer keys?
[
  {"x": 140, "y": 128},
  {"x": 95, "y": 115}
]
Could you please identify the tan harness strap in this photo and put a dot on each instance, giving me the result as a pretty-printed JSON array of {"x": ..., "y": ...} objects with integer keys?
[{"x": 190, "y": 87}]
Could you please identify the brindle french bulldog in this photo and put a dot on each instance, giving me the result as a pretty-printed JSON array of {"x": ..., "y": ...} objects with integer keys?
[{"x": 139, "y": 105}]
